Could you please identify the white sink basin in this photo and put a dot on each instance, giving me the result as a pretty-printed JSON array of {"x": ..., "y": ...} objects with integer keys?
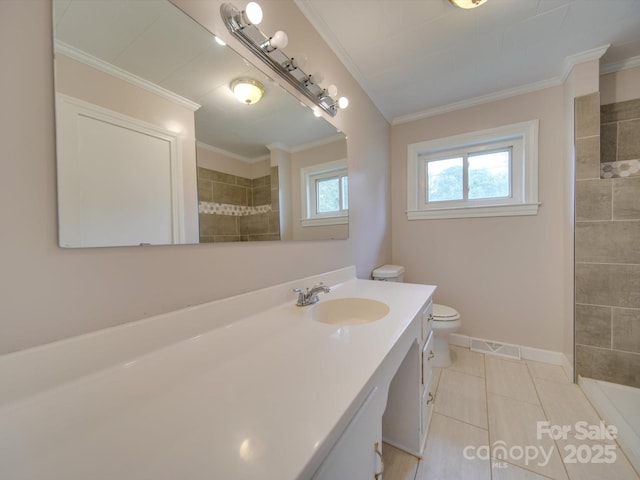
[{"x": 349, "y": 311}]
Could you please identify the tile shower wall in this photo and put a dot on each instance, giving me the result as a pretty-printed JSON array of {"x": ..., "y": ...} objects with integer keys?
[
  {"x": 607, "y": 241},
  {"x": 235, "y": 209}
]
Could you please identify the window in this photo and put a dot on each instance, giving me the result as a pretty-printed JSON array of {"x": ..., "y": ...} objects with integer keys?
[
  {"x": 488, "y": 173},
  {"x": 325, "y": 194}
]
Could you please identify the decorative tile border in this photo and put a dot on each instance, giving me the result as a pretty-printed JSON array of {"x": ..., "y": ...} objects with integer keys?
[
  {"x": 232, "y": 210},
  {"x": 623, "y": 168}
]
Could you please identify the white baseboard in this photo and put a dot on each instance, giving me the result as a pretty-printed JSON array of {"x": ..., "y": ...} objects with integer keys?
[
  {"x": 527, "y": 353},
  {"x": 567, "y": 366}
]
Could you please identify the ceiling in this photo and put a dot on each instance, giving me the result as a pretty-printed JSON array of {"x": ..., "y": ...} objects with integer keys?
[{"x": 415, "y": 58}]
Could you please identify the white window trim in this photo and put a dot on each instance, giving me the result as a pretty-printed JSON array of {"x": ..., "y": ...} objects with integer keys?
[
  {"x": 524, "y": 203},
  {"x": 307, "y": 203}
]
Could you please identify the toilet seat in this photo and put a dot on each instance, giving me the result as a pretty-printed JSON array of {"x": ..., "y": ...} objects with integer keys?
[{"x": 444, "y": 313}]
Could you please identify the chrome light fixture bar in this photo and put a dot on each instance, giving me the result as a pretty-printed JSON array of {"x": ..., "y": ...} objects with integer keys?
[{"x": 269, "y": 50}]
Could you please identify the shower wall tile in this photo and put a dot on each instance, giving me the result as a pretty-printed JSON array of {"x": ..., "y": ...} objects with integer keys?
[
  {"x": 593, "y": 325},
  {"x": 609, "y": 365},
  {"x": 261, "y": 181},
  {"x": 607, "y": 242},
  {"x": 587, "y": 115},
  {"x": 629, "y": 140},
  {"x": 606, "y": 284},
  {"x": 607, "y": 245},
  {"x": 213, "y": 224},
  {"x": 626, "y": 198},
  {"x": 205, "y": 190},
  {"x": 593, "y": 199},
  {"x": 588, "y": 157},
  {"x": 609, "y": 143},
  {"x": 261, "y": 195},
  {"x": 617, "y": 112},
  {"x": 205, "y": 173},
  {"x": 626, "y": 329},
  {"x": 230, "y": 194}
]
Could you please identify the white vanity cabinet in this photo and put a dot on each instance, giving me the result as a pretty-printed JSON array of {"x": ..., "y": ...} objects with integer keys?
[
  {"x": 357, "y": 455},
  {"x": 406, "y": 419},
  {"x": 428, "y": 396}
]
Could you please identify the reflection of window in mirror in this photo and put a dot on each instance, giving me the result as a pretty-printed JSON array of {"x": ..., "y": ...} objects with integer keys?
[{"x": 324, "y": 194}]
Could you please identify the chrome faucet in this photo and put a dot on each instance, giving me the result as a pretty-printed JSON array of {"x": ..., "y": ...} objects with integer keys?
[{"x": 310, "y": 296}]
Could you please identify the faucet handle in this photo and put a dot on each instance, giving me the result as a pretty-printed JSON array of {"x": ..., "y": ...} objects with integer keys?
[{"x": 301, "y": 297}]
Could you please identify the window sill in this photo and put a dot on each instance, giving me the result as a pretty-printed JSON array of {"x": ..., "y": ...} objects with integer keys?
[
  {"x": 320, "y": 222},
  {"x": 470, "y": 212}
]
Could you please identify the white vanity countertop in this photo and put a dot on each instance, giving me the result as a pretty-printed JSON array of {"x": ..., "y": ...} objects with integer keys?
[{"x": 254, "y": 399}]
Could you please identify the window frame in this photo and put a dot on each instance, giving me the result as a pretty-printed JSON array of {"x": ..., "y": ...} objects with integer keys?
[
  {"x": 522, "y": 138},
  {"x": 308, "y": 177}
]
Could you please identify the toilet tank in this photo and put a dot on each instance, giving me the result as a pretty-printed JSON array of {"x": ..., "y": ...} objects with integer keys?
[{"x": 389, "y": 273}]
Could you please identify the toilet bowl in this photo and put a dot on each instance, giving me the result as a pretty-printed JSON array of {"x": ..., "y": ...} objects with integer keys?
[{"x": 446, "y": 320}]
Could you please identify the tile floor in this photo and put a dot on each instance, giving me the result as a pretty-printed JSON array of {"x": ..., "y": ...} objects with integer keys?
[{"x": 485, "y": 401}]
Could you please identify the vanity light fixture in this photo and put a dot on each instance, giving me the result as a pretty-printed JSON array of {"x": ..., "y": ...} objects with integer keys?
[
  {"x": 466, "y": 4},
  {"x": 242, "y": 25},
  {"x": 247, "y": 90}
]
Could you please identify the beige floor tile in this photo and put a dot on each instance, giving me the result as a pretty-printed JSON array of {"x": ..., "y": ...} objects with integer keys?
[
  {"x": 546, "y": 371},
  {"x": 511, "y": 379},
  {"x": 566, "y": 405},
  {"x": 444, "y": 457},
  {"x": 398, "y": 465},
  {"x": 584, "y": 460},
  {"x": 462, "y": 397},
  {"x": 507, "y": 471},
  {"x": 436, "y": 372},
  {"x": 513, "y": 426},
  {"x": 465, "y": 361}
]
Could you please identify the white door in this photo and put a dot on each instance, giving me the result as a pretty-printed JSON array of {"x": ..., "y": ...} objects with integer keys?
[{"x": 116, "y": 181}]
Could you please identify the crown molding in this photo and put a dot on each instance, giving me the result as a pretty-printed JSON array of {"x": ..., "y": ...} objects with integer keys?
[
  {"x": 480, "y": 100},
  {"x": 568, "y": 64},
  {"x": 235, "y": 156},
  {"x": 108, "y": 68},
  {"x": 586, "y": 56},
  {"x": 632, "y": 62}
]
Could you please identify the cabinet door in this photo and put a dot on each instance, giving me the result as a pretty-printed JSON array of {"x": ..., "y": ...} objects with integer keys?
[
  {"x": 354, "y": 455},
  {"x": 427, "y": 320}
]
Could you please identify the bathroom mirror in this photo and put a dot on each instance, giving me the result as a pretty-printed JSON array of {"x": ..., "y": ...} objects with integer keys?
[{"x": 154, "y": 148}]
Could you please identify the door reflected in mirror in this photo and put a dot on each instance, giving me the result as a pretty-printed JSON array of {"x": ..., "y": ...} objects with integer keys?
[{"x": 154, "y": 148}]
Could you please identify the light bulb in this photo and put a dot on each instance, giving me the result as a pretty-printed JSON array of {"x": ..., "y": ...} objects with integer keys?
[
  {"x": 279, "y": 40},
  {"x": 219, "y": 41},
  {"x": 253, "y": 12},
  {"x": 301, "y": 61},
  {"x": 343, "y": 102},
  {"x": 317, "y": 77},
  {"x": 317, "y": 112},
  {"x": 332, "y": 90}
]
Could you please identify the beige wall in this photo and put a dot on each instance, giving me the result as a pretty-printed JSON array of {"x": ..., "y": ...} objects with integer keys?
[
  {"x": 620, "y": 86},
  {"x": 47, "y": 293},
  {"x": 505, "y": 275}
]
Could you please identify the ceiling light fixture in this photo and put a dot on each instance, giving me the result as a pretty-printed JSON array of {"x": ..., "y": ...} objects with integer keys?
[
  {"x": 247, "y": 90},
  {"x": 242, "y": 25},
  {"x": 466, "y": 4}
]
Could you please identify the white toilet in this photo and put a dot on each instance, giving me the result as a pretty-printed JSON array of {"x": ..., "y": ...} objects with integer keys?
[{"x": 446, "y": 320}]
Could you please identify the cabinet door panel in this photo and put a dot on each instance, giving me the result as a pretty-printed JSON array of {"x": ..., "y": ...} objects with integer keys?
[{"x": 354, "y": 456}]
